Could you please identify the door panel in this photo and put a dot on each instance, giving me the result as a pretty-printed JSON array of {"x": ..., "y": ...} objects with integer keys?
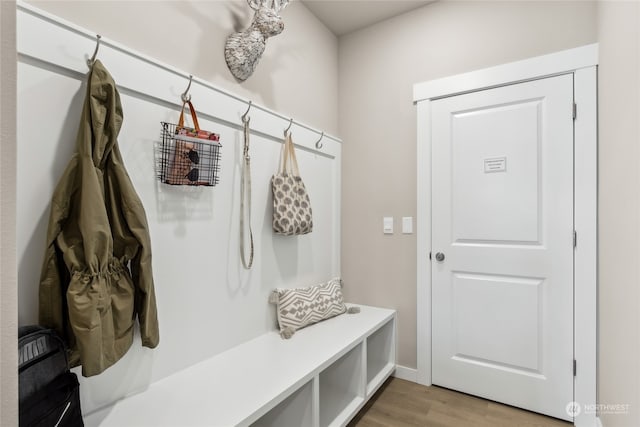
[
  {"x": 502, "y": 177},
  {"x": 517, "y": 343},
  {"x": 495, "y": 188}
]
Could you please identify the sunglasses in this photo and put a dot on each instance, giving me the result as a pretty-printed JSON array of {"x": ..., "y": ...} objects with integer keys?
[{"x": 193, "y": 156}]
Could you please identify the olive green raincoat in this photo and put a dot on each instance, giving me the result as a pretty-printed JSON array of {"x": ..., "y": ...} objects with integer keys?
[{"x": 96, "y": 277}]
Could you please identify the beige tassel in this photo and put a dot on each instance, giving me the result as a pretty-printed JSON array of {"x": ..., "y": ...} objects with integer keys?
[
  {"x": 287, "y": 332},
  {"x": 273, "y": 297},
  {"x": 353, "y": 310}
]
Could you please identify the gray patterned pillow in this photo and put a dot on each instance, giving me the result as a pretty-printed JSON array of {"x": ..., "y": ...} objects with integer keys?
[{"x": 302, "y": 307}]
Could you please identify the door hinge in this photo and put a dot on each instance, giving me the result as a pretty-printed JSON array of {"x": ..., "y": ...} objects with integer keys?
[
  {"x": 575, "y": 238},
  {"x": 575, "y": 110},
  {"x": 575, "y": 367}
]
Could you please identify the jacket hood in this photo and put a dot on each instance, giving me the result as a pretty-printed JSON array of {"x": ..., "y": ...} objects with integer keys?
[{"x": 102, "y": 116}]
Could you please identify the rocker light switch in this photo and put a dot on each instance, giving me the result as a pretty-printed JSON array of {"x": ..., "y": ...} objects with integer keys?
[
  {"x": 407, "y": 225},
  {"x": 387, "y": 224}
]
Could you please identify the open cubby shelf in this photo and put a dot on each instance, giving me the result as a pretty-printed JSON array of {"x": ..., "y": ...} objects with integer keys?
[
  {"x": 320, "y": 377},
  {"x": 341, "y": 386},
  {"x": 295, "y": 410},
  {"x": 380, "y": 356}
]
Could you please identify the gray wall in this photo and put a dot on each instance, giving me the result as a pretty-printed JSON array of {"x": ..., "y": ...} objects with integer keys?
[
  {"x": 378, "y": 67},
  {"x": 619, "y": 210},
  {"x": 8, "y": 294}
]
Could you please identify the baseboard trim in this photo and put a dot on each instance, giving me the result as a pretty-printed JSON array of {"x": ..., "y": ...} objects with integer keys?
[{"x": 405, "y": 373}]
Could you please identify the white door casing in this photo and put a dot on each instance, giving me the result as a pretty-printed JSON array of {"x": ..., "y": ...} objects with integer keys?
[
  {"x": 502, "y": 215},
  {"x": 581, "y": 62}
]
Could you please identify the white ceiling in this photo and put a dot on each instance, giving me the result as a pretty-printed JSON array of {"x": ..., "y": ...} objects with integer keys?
[{"x": 345, "y": 16}]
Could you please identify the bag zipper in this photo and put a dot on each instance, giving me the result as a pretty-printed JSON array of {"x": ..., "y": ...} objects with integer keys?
[{"x": 62, "y": 416}]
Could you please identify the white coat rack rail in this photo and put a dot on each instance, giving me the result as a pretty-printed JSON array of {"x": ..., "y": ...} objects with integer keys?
[{"x": 150, "y": 77}]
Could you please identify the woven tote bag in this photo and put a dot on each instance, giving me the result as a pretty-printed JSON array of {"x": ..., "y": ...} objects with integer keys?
[{"x": 291, "y": 205}]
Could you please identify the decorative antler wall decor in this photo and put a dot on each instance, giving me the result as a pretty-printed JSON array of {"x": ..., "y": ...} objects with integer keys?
[{"x": 244, "y": 49}]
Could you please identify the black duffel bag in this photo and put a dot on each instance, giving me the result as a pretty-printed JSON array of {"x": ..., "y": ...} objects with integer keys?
[{"x": 49, "y": 394}]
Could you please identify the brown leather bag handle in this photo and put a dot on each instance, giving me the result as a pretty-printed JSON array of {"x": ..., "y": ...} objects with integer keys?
[{"x": 193, "y": 116}]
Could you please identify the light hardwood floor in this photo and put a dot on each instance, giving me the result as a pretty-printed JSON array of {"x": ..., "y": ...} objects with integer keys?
[{"x": 401, "y": 403}]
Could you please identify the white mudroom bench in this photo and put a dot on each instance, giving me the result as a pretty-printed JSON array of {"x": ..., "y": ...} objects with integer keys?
[{"x": 320, "y": 377}]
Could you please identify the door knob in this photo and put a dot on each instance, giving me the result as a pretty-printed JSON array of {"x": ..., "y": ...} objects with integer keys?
[{"x": 440, "y": 256}]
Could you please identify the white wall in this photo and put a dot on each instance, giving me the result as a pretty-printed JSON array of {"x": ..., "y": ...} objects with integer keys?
[
  {"x": 378, "y": 67},
  {"x": 619, "y": 211},
  {"x": 8, "y": 294},
  {"x": 297, "y": 75},
  {"x": 206, "y": 301}
]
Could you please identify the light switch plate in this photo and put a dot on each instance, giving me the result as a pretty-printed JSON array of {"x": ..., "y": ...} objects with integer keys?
[
  {"x": 387, "y": 225},
  {"x": 407, "y": 224}
]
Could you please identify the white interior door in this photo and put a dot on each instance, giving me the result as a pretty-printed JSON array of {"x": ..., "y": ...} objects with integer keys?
[{"x": 502, "y": 231}]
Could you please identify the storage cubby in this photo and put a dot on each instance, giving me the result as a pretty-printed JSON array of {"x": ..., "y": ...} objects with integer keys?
[
  {"x": 295, "y": 410},
  {"x": 341, "y": 388},
  {"x": 380, "y": 356}
]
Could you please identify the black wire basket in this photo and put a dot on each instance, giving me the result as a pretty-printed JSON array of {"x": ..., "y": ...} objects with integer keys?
[{"x": 185, "y": 159}]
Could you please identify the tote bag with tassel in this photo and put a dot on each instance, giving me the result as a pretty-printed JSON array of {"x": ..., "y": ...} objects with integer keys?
[{"x": 291, "y": 205}]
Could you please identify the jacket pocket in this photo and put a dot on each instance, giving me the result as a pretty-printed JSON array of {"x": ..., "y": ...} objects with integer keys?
[
  {"x": 122, "y": 303},
  {"x": 88, "y": 302}
]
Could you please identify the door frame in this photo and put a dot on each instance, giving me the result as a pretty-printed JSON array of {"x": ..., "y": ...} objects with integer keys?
[{"x": 582, "y": 63}]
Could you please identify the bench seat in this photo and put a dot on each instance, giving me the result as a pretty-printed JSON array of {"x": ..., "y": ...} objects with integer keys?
[{"x": 321, "y": 376}]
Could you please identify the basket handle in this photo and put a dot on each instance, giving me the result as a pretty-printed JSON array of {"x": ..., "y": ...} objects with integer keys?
[{"x": 193, "y": 116}]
